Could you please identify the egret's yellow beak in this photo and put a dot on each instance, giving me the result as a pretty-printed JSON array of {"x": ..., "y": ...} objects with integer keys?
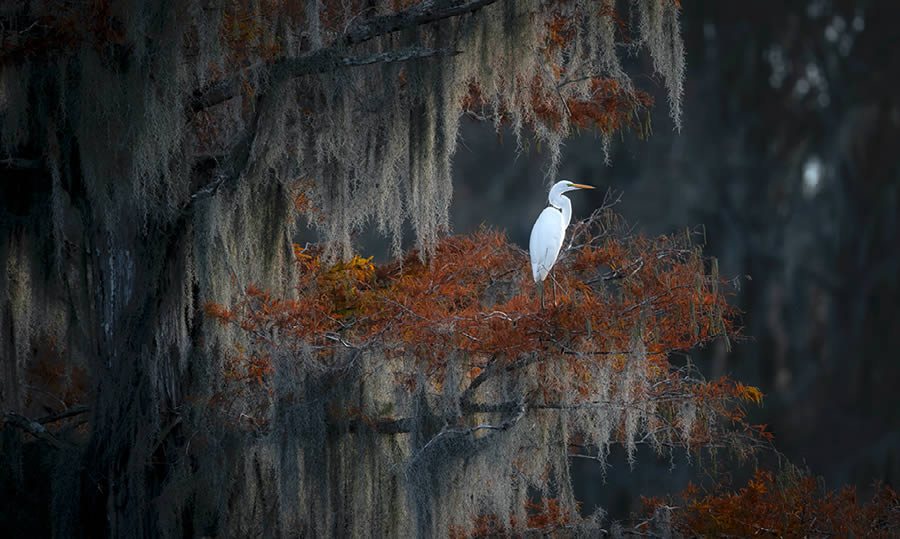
[{"x": 582, "y": 186}]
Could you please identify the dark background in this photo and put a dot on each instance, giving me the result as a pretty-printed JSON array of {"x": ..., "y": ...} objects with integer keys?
[{"x": 789, "y": 159}]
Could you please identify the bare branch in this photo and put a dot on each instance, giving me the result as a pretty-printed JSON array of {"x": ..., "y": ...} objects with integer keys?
[
  {"x": 72, "y": 411},
  {"x": 33, "y": 428},
  {"x": 423, "y": 13},
  {"x": 615, "y": 274},
  {"x": 215, "y": 93},
  {"x": 454, "y": 432}
]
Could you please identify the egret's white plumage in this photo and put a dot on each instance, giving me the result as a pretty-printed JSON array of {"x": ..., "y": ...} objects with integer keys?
[
  {"x": 546, "y": 241},
  {"x": 550, "y": 229}
]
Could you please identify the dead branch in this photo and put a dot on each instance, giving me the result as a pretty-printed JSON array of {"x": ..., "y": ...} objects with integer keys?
[
  {"x": 423, "y": 13},
  {"x": 33, "y": 428},
  {"x": 72, "y": 411}
]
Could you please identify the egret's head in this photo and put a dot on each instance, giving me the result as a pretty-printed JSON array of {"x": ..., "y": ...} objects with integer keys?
[{"x": 564, "y": 186}]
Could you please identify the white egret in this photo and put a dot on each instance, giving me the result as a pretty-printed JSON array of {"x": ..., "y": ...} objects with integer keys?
[{"x": 549, "y": 231}]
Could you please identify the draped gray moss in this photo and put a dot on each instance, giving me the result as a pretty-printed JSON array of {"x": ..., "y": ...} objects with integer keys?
[{"x": 122, "y": 219}]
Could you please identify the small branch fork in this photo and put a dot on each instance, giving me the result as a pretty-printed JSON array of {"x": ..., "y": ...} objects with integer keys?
[
  {"x": 36, "y": 428},
  {"x": 425, "y": 12},
  {"x": 449, "y": 432}
]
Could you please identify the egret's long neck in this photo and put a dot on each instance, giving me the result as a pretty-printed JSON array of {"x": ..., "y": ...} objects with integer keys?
[{"x": 564, "y": 205}]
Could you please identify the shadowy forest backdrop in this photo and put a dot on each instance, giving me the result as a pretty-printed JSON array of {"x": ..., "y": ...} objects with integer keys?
[{"x": 262, "y": 272}]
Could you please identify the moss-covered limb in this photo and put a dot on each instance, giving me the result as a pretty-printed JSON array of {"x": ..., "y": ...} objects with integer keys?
[
  {"x": 425, "y": 12},
  {"x": 37, "y": 428},
  {"x": 334, "y": 57},
  {"x": 72, "y": 411},
  {"x": 319, "y": 61}
]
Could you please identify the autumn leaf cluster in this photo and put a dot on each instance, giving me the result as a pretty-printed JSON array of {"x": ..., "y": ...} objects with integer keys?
[
  {"x": 544, "y": 516},
  {"x": 463, "y": 333},
  {"x": 473, "y": 306},
  {"x": 787, "y": 504}
]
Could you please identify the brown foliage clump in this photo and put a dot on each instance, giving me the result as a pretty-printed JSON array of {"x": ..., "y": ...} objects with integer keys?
[
  {"x": 464, "y": 335},
  {"x": 789, "y": 504}
]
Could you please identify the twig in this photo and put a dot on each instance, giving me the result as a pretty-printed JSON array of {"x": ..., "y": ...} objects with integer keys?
[
  {"x": 35, "y": 429},
  {"x": 69, "y": 412}
]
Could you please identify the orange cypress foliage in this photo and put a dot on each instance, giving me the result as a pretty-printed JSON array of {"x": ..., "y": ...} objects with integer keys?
[
  {"x": 791, "y": 504},
  {"x": 475, "y": 298},
  {"x": 610, "y": 107},
  {"x": 546, "y": 517},
  {"x": 470, "y": 317}
]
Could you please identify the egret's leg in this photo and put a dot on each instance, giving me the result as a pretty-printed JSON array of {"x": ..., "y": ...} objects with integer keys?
[
  {"x": 553, "y": 276},
  {"x": 541, "y": 286}
]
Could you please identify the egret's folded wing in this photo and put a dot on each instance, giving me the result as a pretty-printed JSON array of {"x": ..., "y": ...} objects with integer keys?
[{"x": 546, "y": 240}]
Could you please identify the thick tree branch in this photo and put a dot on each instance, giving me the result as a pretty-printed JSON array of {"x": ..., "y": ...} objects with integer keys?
[
  {"x": 217, "y": 92},
  {"x": 449, "y": 432},
  {"x": 396, "y": 426},
  {"x": 236, "y": 163},
  {"x": 329, "y": 58},
  {"x": 423, "y": 13},
  {"x": 320, "y": 61},
  {"x": 165, "y": 433},
  {"x": 489, "y": 371},
  {"x": 72, "y": 411}
]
